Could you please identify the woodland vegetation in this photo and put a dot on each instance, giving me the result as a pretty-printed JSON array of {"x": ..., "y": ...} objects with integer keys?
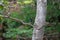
[{"x": 17, "y": 19}]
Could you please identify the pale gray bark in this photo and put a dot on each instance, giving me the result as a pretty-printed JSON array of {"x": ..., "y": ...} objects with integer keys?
[{"x": 38, "y": 31}]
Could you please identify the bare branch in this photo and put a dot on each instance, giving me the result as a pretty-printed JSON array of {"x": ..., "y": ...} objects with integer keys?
[
  {"x": 18, "y": 20},
  {"x": 53, "y": 23}
]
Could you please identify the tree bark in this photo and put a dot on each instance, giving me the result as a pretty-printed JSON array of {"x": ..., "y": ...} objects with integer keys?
[{"x": 38, "y": 31}]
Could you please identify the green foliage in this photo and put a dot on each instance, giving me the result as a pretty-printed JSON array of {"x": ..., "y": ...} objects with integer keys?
[
  {"x": 53, "y": 13},
  {"x": 27, "y": 14},
  {"x": 13, "y": 27},
  {"x": 1, "y": 8},
  {"x": 13, "y": 32}
]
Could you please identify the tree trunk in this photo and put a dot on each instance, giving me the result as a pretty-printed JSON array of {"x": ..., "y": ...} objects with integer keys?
[{"x": 38, "y": 31}]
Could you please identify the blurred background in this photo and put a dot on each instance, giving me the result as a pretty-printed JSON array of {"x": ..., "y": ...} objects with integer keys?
[{"x": 14, "y": 12}]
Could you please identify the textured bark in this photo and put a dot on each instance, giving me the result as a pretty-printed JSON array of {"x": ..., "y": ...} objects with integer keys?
[{"x": 38, "y": 31}]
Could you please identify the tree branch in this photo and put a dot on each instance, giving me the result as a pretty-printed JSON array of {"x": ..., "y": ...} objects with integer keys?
[{"x": 18, "y": 20}]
